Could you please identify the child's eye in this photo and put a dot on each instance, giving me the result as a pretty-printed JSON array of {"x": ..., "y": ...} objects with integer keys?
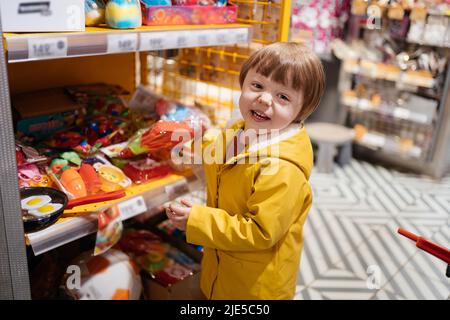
[
  {"x": 256, "y": 85},
  {"x": 284, "y": 97}
]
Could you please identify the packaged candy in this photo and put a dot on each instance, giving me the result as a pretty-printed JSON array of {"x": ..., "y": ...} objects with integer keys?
[
  {"x": 163, "y": 135},
  {"x": 31, "y": 176},
  {"x": 145, "y": 170},
  {"x": 193, "y": 117},
  {"x": 196, "y": 2}
]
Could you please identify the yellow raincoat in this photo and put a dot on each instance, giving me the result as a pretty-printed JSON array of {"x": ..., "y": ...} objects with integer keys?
[{"x": 252, "y": 226}]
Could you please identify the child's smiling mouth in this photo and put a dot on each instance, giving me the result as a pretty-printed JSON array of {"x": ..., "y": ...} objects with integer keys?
[{"x": 258, "y": 116}]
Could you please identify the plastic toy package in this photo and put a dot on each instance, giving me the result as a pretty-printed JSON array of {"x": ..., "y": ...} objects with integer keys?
[
  {"x": 81, "y": 178},
  {"x": 144, "y": 170},
  {"x": 30, "y": 167},
  {"x": 165, "y": 264},
  {"x": 157, "y": 140}
]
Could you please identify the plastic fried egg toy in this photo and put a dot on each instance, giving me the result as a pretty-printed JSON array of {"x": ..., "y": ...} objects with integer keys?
[
  {"x": 46, "y": 209},
  {"x": 34, "y": 202}
]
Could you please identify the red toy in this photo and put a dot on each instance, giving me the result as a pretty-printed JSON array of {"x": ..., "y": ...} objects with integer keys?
[{"x": 430, "y": 247}]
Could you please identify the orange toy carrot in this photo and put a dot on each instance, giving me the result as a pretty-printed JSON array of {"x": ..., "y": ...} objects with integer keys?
[{"x": 72, "y": 181}]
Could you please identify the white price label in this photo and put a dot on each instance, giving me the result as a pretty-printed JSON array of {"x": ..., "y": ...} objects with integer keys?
[
  {"x": 182, "y": 40},
  {"x": 122, "y": 42},
  {"x": 241, "y": 35},
  {"x": 158, "y": 41},
  {"x": 132, "y": 207},
  {"x": 222, "y": 38},
  {"x": 41, "y": 48},
  {"x": 203, "y": 38}
]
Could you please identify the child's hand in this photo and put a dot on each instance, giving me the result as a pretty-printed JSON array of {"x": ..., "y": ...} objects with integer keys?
[{"x": 179, "y": 215}]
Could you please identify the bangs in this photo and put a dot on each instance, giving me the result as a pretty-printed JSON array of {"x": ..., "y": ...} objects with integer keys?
[{"x": 285, "y": 73}]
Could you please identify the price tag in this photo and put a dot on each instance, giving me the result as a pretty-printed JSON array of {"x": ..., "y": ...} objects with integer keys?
[
  {"x": 42, "y": 48},
  {"x": 130, "y": 208},
  {"x": 122, "y": 42},
  {"x": 158, "y": 41},
  {"x": 241, "y": 35},
  {"x": 204, "y": 38},
  {"x": 182, "y": 40},
  {"x": 222, "y": 38}
]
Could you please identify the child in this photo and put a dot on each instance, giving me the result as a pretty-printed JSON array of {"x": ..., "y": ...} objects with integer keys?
[{"x": 251, "y": 228}]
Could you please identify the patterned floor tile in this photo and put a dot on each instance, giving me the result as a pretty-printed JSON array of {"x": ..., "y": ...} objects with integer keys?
[
  {"x": 413, "y": 285},
  {"x": 386, "y": 295},
  {"x": 352, "y": 249},
  {"x": 339, "y": 284}
]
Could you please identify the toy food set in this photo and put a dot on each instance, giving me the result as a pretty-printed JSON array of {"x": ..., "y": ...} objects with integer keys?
[
  {"x": 123, "y": 14},
  {"x": 188, "y": 12},
  {"x": 80, "y": 178},
  {"x": 43, "y": 113},
  {"x": 109, "y": 276},
  {"x": 41, "y": 207},
  {"x": 94, "y": 12},
  {"x": 164, "y": 263}
]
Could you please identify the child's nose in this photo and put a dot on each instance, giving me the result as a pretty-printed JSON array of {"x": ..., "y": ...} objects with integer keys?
[{"x": 265, "y": 98}]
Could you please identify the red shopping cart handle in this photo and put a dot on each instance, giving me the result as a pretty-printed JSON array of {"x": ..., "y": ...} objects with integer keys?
[{"x": 428, "y": 246}]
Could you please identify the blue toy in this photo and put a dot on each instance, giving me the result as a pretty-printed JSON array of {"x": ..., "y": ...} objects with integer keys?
[{"x": 123, "y": 14}]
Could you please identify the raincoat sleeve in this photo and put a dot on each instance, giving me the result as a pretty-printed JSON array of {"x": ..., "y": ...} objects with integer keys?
[{"x": 277, "y": 201}]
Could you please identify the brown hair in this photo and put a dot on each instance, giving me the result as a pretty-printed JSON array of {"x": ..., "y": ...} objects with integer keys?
[{"x": 293, "y": 65}]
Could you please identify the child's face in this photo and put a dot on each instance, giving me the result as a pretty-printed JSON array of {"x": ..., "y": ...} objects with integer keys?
[{"x": 266, "y": 104}]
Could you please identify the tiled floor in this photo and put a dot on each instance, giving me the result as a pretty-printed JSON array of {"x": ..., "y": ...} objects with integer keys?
[{"x": 352, "y": 249}]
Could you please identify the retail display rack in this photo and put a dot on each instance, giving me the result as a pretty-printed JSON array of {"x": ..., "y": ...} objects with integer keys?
[
  {"x": 393, "y": 84},
  {"x": 38, "y": 61}
]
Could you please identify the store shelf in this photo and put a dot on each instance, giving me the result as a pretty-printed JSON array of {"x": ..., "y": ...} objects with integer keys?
[
  {"x": 377, "y": 141},
  {"x": 382, "y": 71},
  {"x": 81, "y": 221},
  {"x": 102, "y": 40},
  {"x": 395, "y": 112}
]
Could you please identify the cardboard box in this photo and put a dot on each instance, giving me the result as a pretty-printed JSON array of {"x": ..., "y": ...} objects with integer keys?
[
  {"x": 186, "y": 289},
  {"x": 42, "y": 113},
  {"x": 42, "y": 15}
]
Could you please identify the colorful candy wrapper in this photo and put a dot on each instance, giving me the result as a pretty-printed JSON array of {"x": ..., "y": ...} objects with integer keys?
[
  {"x": 109, "y": 229},
  {"x": 163, "y": 135}
]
